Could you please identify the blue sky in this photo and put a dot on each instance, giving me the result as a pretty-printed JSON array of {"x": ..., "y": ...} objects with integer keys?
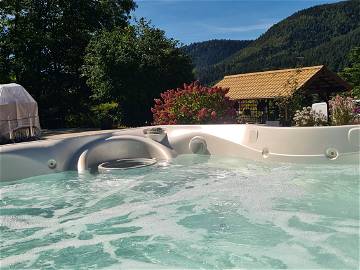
[{"x": 198, "y": 20}]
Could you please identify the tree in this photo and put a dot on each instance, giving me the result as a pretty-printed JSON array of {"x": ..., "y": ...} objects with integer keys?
[
  {"x": 132, "y": 66},
  {"x": 352, "y": 73},
  {"x": 298, "y": 98},
  {"x": 43, "y": 46}
]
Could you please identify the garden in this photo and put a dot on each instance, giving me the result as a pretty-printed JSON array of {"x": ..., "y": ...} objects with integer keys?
[{"x": 198, "y": 104}]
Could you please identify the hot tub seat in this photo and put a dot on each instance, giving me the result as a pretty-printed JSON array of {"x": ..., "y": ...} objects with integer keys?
[{"x": 121, "y": 147}]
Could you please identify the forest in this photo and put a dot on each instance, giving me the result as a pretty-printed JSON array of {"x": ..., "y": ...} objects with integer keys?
[{"x": 320, "y": 35}]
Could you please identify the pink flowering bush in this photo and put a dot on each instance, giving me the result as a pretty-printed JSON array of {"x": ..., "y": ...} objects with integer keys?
[
  {"x": 194, "y": 104},
  {"x": 357, "y": 113},
  {"x": 343, "y": 110},
  {"x": 307, "y": 117}
]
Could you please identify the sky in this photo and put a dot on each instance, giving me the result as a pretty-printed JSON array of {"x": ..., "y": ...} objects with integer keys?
[{"x": 199, "y": 20}]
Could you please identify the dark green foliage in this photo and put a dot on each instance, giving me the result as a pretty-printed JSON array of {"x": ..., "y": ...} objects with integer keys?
[
  {"x": 213, "y": 51},
  {"x": 133, "y": 66},
  {"x": 319, "y": 35},
  {"x": 334, "y": 54},
  {"x": 352, "y": 72},
  {"x": 106, "y": 115},
  {"x": 42, "y": 47}
]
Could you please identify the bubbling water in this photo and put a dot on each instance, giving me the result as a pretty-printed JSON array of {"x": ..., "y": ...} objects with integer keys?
[{"x": 195, "y": 212}]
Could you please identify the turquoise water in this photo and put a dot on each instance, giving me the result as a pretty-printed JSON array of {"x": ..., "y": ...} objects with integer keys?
[{"x": 192, "y": 213}]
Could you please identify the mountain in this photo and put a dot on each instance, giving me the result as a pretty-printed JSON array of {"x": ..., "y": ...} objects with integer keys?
[
  {"x": 213, "y": 51},
  {"x": 318, "y": 35}
]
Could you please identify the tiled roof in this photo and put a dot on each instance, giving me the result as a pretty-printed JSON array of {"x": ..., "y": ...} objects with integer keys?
[{"x": 267, "y": 84}]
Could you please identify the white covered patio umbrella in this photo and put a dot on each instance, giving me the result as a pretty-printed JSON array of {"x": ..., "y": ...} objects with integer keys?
[{"x": 18, "y": 110}]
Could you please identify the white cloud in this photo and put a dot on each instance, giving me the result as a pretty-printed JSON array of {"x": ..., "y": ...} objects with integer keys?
[{"x": 238, "y": 29}]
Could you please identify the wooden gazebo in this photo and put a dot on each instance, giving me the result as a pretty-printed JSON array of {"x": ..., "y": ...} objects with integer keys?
[{"x": 255, "y": 92}]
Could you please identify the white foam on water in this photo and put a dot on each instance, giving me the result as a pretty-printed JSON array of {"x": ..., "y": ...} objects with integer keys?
[{"x": 188, "y": 190}]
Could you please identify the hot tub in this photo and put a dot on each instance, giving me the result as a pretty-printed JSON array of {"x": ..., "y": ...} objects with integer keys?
[
  {"x": 209, "y": 197},
  {"x": 311, "y": 145}
]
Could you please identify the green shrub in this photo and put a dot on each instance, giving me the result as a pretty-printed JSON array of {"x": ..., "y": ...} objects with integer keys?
[{"x": 106, "y": 115}]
